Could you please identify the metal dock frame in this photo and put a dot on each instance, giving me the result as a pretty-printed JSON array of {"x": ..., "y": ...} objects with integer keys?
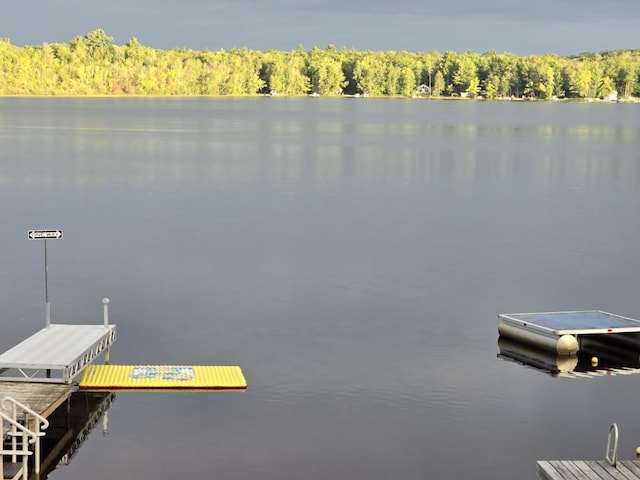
[{"x": 67, "y": 349}]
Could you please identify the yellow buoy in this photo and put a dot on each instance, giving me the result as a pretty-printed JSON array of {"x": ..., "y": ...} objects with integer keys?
[
  {"x": 638, "y": 451},
  {"x": 594, "y": 361}
]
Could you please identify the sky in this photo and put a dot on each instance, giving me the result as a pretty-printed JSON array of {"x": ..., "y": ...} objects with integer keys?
[{"x": 564, "y": 27}]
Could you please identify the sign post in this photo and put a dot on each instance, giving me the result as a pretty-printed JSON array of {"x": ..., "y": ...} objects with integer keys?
[{"x": 44, "y": 235}]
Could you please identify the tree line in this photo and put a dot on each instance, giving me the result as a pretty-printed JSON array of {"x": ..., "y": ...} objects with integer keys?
[{"x": 94, "y": 65}]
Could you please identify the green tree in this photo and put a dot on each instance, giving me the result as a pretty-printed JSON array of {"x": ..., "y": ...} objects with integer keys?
[
  {"x": 447, "y": 67},
  {"x": 580, "y": 79},
  {"x": 627, "y": 67},
  {"x": 465, "y": 75},
  {"x": 497, "y": 73},
  {"x": 536, "y": 78},
  {"x": 606, "y": 87},
  {"x": 428, "y": 63},
  {"x": 284, "y": 73},
  {"x": 406, "y": 82},
  {"x": 438, "y": 84},
  {"x": 97, "y": 40},
  {"x": 370, "y": 73},
  {"x": 325, "y": 71}
]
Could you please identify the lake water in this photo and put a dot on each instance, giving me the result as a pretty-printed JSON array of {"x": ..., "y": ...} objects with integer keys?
[{"x": 351, "y": 255}]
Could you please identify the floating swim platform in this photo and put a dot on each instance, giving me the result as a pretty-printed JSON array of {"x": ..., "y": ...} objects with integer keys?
[
  {"x": 162, "y": 377},
  {"x": 561, "y": 332}
]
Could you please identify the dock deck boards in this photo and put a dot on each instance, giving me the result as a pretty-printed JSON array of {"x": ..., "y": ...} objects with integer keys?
[
  {"x": 588, "y": 470},
  {"x": 43, "y": 398},
  {"x": 162, "y": 377}
]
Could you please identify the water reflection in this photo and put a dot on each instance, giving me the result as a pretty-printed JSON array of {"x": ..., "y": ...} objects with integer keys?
[
  {"x": 241, "y": 141},
  {"x": 598, "y": 356},
  {"x": 70, "y": 428}
]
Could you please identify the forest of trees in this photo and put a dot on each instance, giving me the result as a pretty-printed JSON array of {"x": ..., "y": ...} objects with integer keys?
[{"x": 93, "y": 65}]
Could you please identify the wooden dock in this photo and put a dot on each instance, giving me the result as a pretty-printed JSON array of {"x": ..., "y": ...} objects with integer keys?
[
  {"x": 588, "y": 470},
  {"x": 43, "y": 398}
]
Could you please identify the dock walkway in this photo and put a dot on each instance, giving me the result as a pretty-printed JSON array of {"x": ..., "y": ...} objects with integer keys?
[
  {"x": 43, "y": 398},
  {"x": 589, "y": 470},
  {"x": 65, "y": 350}
]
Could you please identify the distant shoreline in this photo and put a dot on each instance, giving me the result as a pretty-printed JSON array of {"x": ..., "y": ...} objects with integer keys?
[
  {"x": 632, "y": 100},
  {"x": 92, "y": 65}
]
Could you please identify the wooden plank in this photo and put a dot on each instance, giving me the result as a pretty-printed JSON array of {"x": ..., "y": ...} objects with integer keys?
[
  {"x": 624, "y": 468},
  {"x": 547, "y": 471},
  {"x": 633, "y": 466},
  {"x": 566, "y": 470},
  {"x": 620, "y": 469},
  {"x": 604, "y": 469},
  {"x": 587, "y": 471}
]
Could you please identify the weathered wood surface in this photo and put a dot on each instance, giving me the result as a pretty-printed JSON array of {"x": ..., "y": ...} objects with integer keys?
[
  {"x": 43, "y": 398},
  {"x": 12, "y": 470},
  {"x": 588, "y": 470}
]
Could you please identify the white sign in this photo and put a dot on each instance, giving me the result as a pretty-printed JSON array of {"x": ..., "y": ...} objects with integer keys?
[{"x": 44, "y": 234}]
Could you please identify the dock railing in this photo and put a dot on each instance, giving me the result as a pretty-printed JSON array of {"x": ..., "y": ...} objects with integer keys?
[
  {"x": 22, "y": 431},
  {"x": 27, "y": 437}
]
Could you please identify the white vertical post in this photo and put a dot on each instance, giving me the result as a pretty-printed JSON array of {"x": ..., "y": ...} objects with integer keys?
[
  {"x": 105, "y": 424},
  {"x": 14, "y": 433},
  {"x": 105, "y": 311},
  {"x": 105, "y": 314}
]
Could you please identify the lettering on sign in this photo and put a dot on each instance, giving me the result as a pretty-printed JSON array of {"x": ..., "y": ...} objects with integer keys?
[{"x": 44, "y": 234}]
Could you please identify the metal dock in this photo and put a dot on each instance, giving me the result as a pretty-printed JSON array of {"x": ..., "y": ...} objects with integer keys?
[
  {"x": 63, "y": 351},
  {"x": 562, "y": 332}
]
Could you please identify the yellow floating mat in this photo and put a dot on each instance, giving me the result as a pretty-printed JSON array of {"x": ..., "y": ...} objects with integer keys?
[{"x": 162, "y": 377}]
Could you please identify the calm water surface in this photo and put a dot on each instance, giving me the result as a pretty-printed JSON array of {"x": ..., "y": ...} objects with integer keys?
[{"x": 351, "y": 255}]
